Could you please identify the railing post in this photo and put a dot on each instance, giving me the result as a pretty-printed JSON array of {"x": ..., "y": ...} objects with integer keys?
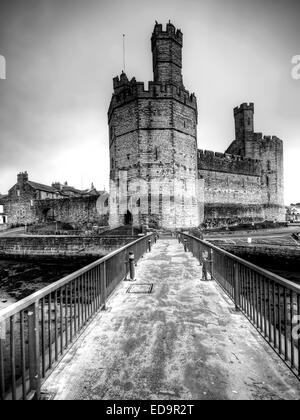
[
  {"x": 212, "y": 264},
  {"x": 34, "y": 350},
  {"x": 131, "y": 266},
  {"x": 179, "y": 238},
  {"x": 236, "y": 287},
  {"x": 149, "y": 245},
  {"x": 103, "y": 287},
  {"x": 185, "y": 245}
]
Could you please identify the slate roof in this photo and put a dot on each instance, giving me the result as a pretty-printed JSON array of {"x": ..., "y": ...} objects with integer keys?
[{"x": 42, "y": 187}]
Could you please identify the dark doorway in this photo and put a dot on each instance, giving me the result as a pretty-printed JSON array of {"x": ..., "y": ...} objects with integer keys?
[
  {"x": 47, "y": 215},
  {"x": 128, "y": 218}
]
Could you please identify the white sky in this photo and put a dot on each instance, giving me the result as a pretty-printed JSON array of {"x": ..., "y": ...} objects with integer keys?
[{"x": 62, "y": 55}]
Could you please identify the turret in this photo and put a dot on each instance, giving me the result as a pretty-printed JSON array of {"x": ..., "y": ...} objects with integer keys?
[
  {"x": 167, "y": 54},
  {"x": 244, "y": 121}
]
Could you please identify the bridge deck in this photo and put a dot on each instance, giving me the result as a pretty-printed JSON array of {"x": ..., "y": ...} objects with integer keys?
[{"x": 182, "y": 341}]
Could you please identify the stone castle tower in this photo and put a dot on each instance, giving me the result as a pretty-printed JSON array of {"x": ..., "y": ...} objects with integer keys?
[
  {"x": 269, "y": 151},
  {"x": 153, "y": 143}
]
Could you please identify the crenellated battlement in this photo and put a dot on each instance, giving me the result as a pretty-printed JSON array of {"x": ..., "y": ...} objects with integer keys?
[
  {"x": 126, "y": 90},
  {"x": 223, "y": 162},
  {"x": 271, "y": 139},
  {"x": 244, "y": 107},
  {"x": 170, "y": 32},
  {"x": 226, "y": 156}
]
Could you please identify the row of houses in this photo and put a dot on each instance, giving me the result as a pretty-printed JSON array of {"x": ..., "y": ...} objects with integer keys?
[{"x": 28, "y": 202}]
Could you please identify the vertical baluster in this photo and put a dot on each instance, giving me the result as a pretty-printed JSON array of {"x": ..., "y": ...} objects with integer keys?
[
  {"x": 43, "y": 337},
  {"x": 279, "y": 320},
  {"x": 82, "y": 299},
  {"x": 61, "y": 321},
  {"x": 23, "y": 358},
  {"x": 71, "y": 311},
  {"x": 85, "y": 298},
  {"x": 94, "y": 271},
  {"x": 258, "y": 312},
  {"x": 291, "y": 329},
  {"x": 2, "y": 370},
  {"x": 78, "y": 303},
  {"x": 34, "y": 349},
  {"x": 247, "y": 292},
  {"x": 66, "y": 317},
  {"x": 75, "y": 306},
  {"x": 97, "y": 285},
  {"x": 286, "y": 349},
  {"x": 274, "y": 317},
  {"x": 265, "y": 307},
  {"x": 13, "y": 356},
  {"x": 90, "y": 294},
  {"x": 269, "y": 311},
  {"x": 298, "y": 312}
]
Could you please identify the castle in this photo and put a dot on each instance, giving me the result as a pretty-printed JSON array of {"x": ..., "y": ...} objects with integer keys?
[{"x": 159, "y": 178}]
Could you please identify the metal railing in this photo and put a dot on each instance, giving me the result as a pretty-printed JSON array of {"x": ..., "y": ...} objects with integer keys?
[
  {"x": 37, "y": 331},
  {"x": 270, "y": 302}
]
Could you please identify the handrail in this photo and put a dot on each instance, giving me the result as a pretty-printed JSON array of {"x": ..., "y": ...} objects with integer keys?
[
  {"x": 36, "y": 332},
  {"x": 270, "y": 302},
  {"x": 22, "y": 304},
  {"x": 295, "y": 287}
]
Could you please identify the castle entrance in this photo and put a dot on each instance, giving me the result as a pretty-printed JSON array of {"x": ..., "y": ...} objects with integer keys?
[{"x": 128, "y": 218}]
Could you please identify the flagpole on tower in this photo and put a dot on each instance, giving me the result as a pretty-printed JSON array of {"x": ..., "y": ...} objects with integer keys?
[{"x": 124, "y": 63}]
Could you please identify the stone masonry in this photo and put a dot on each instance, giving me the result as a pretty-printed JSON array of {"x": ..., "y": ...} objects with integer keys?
[{"x": 157, "y": 175}]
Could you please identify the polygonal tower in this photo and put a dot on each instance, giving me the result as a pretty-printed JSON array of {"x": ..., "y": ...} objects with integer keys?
[{"x": 153, "y": 143}]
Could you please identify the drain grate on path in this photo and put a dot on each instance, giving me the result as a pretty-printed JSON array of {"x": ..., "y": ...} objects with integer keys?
[{"x": 140, "y": 288}]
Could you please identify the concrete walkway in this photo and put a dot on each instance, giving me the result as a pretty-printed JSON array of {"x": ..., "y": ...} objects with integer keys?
[{"x": 182, "y": 341}]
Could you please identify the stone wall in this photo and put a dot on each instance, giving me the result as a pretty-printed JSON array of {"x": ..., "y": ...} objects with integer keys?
[
  {"x": 232, "y": 188},
  {"x": 78, "y": 211},
  {"x": 60, "y": 246}
]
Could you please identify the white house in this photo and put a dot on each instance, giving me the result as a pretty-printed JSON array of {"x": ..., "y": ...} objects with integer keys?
[{"x": 3, "y": 217}]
